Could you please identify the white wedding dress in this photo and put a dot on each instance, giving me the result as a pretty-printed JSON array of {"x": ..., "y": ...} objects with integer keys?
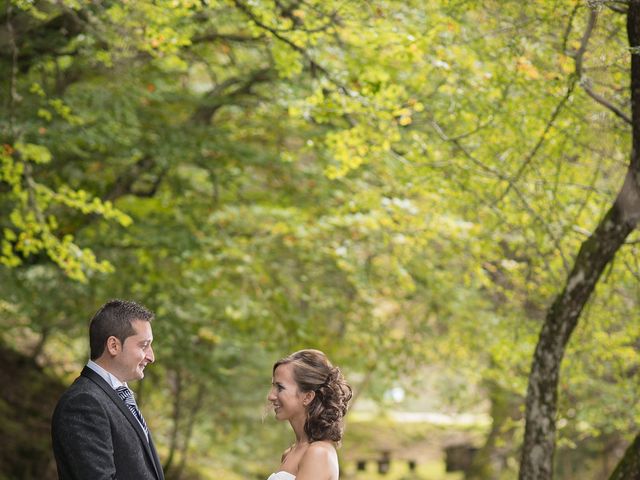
[{"x": 281, "y": 476}]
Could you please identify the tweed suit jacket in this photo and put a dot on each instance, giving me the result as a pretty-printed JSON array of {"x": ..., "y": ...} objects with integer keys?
[{"x": 96, "y": 437}]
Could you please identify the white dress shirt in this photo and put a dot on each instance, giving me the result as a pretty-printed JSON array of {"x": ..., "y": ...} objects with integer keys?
[
  {"x": 114, "y": 382},
  {"x": 108, "y": 377}
]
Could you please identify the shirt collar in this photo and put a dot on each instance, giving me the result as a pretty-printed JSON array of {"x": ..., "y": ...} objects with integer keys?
[{"x": 108, "y": 377}]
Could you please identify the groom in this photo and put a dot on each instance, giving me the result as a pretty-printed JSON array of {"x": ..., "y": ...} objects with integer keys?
[{"x": 98, "y": 431}]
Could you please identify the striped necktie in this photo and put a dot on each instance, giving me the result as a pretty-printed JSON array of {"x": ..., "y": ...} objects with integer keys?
[{"x": 127, "y": 396}]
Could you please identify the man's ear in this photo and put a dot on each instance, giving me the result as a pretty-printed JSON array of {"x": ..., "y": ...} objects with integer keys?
[{"x": 113, "y": 345}]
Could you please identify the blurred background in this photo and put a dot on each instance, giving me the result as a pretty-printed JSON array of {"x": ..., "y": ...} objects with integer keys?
[{"x": 403, "y": 185}]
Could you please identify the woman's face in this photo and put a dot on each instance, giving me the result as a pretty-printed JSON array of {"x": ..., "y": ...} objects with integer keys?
[{"x": 285, "y": 396}]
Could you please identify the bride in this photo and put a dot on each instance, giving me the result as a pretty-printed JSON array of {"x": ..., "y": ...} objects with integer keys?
[{"x": 313, "y": 396}]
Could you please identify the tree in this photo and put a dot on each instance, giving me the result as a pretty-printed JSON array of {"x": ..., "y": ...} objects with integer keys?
[
  {"x": 594, "y": 255},
  {"x": 397, "y": 183},
  {"x": 629, "y": 466}
]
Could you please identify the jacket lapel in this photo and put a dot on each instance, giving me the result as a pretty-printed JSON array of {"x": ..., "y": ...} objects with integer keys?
[
  {"x": 113, "y": 395},
  {"x": 155, "y": 458}
]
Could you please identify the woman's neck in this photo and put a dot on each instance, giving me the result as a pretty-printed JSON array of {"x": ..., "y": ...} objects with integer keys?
[{"x": 298, "y": 428}]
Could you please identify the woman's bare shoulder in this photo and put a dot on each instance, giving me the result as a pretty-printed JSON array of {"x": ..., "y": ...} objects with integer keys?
[
  {"x": 320, "y": 452},
  {"x": 320, "y": 461},
  {"x": 322, "y": 446}
]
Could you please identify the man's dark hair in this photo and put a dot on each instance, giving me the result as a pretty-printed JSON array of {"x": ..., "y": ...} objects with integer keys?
[{"x": 114, "y": 319}]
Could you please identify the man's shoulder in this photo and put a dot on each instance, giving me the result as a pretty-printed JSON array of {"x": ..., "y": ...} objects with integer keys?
[
  {"x": 84, "y": 387},
  {"x": 82, "y": 398},
  {"x": 84, "y": 382}
]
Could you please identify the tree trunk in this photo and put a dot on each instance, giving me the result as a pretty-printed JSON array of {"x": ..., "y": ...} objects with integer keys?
[
  {"x": 490, "y": 461},
  {"x": 193, "y": 413},
  {"x": 594, "y": 255},
  {"x": 176, "y": 417},
  {"x": 629, "y": 466}
]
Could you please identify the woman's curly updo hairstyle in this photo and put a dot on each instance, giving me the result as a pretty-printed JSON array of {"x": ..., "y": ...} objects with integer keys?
[{"x": 313, "y": 372}]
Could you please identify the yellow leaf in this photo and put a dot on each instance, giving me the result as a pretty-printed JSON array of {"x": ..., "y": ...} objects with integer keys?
[{"x": 524, "y": 65}]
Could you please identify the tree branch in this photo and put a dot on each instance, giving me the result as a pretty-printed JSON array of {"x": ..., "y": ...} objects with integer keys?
[
  {"x": 578, "y": 58},
  {"x": 622, "y": 6},
  {"x": 567, "y": 32},
  {"x": 124, "y": 183},
  {"x": 277, "y": 34},
  {"x": 13, "y": 97},
  {"x": 456, "y": 141},
  {"x": 584, "y": 83},
  {"x": 226, "y": 37},
  {"x": 503, "y": 177},
  {"x": 217, "y": 98}
]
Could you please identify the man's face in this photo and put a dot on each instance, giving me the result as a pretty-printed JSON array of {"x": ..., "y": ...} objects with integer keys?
[{"x": 136, "y": 353}]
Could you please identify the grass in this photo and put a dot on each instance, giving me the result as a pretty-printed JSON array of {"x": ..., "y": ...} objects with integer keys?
[{"x": 399, "y": 470}]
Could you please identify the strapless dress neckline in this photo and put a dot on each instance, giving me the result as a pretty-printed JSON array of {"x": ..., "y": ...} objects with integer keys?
[{"x": 281, "y": 476}]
